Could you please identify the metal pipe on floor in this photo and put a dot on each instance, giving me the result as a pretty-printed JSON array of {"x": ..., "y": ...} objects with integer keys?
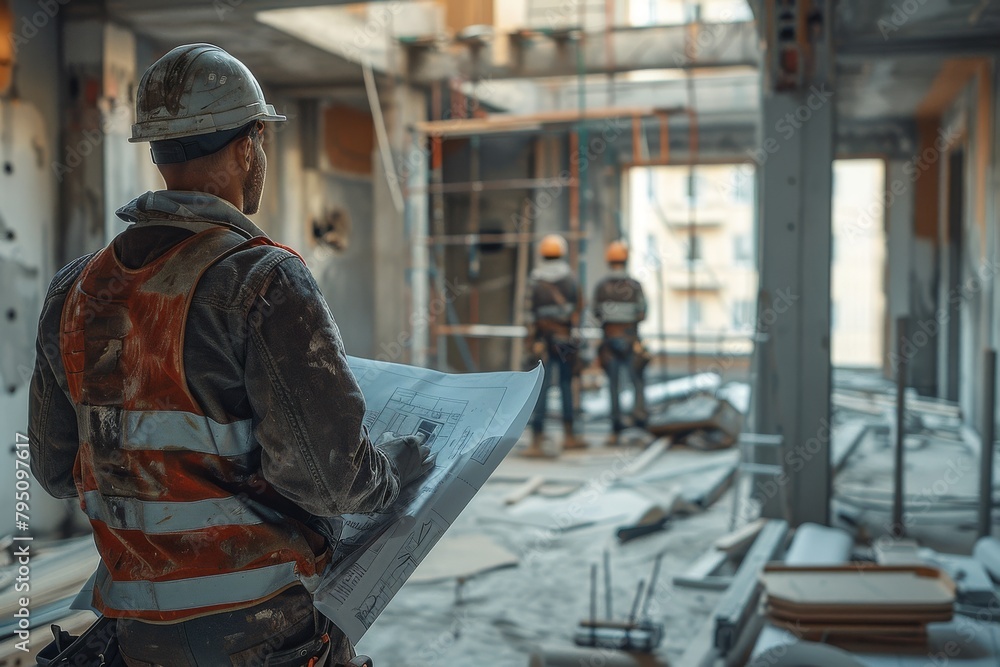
[
  {"x": 986, "y": 449},
  {"x": 898, "y": 527}
]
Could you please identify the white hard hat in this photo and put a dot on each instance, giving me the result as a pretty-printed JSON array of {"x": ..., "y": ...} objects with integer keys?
[{"x": 197, "y": 89}]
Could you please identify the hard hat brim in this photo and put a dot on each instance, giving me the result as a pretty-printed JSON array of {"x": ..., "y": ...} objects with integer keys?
[{"x": 173, "y": 128}]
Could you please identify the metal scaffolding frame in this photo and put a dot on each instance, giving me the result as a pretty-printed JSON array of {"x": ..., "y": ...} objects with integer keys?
[{"x": 575, "y": 124}]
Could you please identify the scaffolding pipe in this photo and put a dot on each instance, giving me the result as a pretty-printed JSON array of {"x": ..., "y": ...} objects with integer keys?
[
  {"x": 475, "y": 157},
  {"x": 416, "y": 217},
  {"x": 574, "y": 195},
  {"x": 385, "y": 150},
  {"x": 499, "y": 184},
  {"x": 498, "y": 237},
  {"x": 986, "y": 447},
  {"x": 898, "y": 526},
  {"x": 438, "y": 227}
]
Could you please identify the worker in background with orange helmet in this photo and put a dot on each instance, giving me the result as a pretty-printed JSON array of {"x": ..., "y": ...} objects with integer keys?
[
  {"x": 554, "y": 313},
  {"x": 619, "y": 306}
]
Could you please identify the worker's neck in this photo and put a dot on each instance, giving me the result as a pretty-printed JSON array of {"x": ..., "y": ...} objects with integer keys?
[{"x": 232, "y": 194}]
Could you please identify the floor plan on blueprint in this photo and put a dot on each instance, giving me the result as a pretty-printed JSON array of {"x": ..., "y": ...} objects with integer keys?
[{"x": 471, "y": 422}]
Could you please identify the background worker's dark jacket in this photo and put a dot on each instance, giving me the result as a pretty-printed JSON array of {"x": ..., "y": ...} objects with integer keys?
[
  {"x": 619, "y": 305},
  {"x": 262, "y": 356},
  {"x": 553, "y": 298}
]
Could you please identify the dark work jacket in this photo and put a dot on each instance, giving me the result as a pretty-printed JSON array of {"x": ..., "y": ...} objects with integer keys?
[
  {"x": 619, "y": 305},
  {"x": 260, "y": 344},
  {"x": 553, "y": 297}
]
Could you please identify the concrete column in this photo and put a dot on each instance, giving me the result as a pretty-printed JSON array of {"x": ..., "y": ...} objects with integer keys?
[
  {"x": 796, "y": 152},
  {"x": 283, "y": 213},
  {"x": 927, "y": 266},
  {"x": 398, "y": 315},
  {"x": 98, "y": 170},
  {"x": 793, "y": 385},
  {"x": 899, "y": 256}
]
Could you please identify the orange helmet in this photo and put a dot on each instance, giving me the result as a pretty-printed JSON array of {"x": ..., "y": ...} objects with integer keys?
[
  {"x": 553, "y": 246},
  {"x": 617, "y": 253}
]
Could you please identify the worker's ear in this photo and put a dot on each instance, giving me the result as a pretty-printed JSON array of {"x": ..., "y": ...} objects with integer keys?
[{"x": 246, "y": 153}]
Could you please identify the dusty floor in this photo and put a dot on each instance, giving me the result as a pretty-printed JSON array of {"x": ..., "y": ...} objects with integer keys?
[
  {"x": 504, "y": 614},
  {"x": 941, "y": 486}
]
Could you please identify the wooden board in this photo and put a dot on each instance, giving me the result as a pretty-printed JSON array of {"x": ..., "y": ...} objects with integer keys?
[
  {"x": 648, "y": 455},
  {"x": 873, "y": 619},
  {"x": 524, "y": 490},
  {"x": 738, "y": 541},
  {"x": 859, "y": 585},
  {"x": 902, "y": 635},
  {"x": 900, "y": 631}
]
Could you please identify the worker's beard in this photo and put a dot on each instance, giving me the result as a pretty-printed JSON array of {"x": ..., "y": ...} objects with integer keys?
[{"x": 253, "y": 186}]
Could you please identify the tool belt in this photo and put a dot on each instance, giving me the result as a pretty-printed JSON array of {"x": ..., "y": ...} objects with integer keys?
[
  {"x": 621, "y": 347},
  {"x": 553, "y": 329},
  {"x": 96, "y": 647},
  {"x": 551, "y": 338},
  {"x": 313, "y": 653}
]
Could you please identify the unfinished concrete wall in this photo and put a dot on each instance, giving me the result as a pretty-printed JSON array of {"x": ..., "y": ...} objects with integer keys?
[
  {"x": 347, "y": 277},
  {"x": 993, "y": 208},
  {"x": 29, "y": 132},
  {"x": 319, "y": 178},
  {"x": 98, "y": 170},
  {"x": 969, "y": 271}
]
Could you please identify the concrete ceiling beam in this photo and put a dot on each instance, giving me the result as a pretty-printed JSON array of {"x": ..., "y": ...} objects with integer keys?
[{"x": 543, "y": 54}]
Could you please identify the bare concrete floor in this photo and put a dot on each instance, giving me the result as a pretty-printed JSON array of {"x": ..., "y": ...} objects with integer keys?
[{"x": 502, "y": 615}]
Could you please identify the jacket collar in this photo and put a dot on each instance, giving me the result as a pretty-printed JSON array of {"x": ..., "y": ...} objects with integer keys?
[{"x": 185, "y": 206}]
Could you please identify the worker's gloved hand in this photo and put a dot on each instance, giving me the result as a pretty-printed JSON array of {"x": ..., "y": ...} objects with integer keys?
[{"x": 411, "y": 457}]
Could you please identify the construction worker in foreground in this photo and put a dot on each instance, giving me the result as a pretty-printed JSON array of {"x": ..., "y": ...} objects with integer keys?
[
  {"x": 191, "y": 388},
  {"x": 555, "y": 314},
  {"x": 619, "y": 306}
]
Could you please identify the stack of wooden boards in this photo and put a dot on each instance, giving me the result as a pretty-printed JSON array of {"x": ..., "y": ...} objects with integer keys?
[{"x": 859, "y": 606}]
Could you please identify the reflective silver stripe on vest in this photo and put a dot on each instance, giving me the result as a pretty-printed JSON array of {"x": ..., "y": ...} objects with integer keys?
[
  {"x": 165, "y": 430},
  {"x": 555, "y": 312},
  {"x": 184, "y": 594},
  {"x": 156, "y": 517},
  {"x": 619, "y": 312}
]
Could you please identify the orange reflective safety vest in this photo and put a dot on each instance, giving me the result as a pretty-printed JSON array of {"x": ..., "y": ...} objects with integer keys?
[{"x": 184, "y": 521}]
